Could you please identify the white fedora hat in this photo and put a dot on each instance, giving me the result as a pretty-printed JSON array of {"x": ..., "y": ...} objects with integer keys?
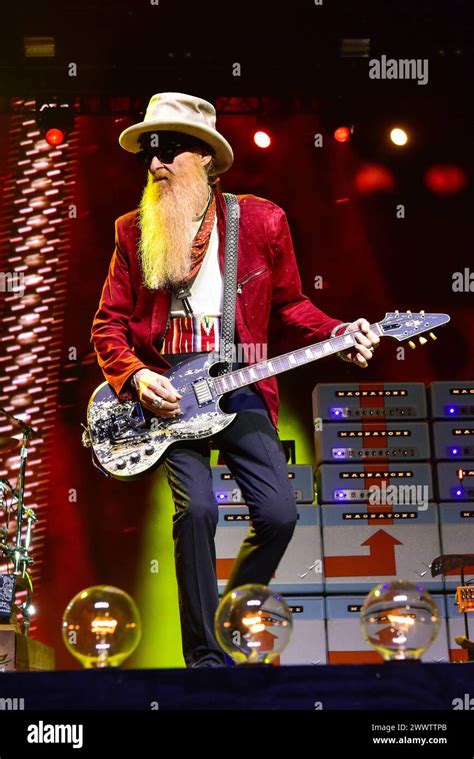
[{"x": 177, "y": 112}]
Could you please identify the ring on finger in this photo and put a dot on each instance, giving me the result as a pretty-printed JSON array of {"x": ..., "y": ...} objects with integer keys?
[{"x": 158, "y": 401}]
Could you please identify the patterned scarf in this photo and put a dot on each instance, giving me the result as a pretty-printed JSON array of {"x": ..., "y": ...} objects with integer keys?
[{"x": 200, "y": 243}]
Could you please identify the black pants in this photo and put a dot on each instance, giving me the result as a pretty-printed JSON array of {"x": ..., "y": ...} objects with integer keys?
[{"x": 254, "y": 454}]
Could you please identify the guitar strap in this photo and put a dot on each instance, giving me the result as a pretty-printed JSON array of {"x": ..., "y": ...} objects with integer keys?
[{"x": 230, "y": 280}]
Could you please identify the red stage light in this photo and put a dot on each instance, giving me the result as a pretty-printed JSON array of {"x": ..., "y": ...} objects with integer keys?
[
  {"x": 373, "y": 177},
  {"x": 342, "y": 134},
  {"x": 262, "y": 139},
  {"x": 54, "y": 137},
  {"x": 445, "y": 179}
]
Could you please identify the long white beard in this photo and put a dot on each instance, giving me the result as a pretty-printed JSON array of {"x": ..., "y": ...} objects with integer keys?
[{"x": 167, "y": 212}]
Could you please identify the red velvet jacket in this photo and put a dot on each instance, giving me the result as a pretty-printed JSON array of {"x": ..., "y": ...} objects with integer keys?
[{"x": 131, "y": 319}]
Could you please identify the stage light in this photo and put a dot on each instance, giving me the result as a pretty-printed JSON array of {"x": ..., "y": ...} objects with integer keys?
[
  {"x": 398, "y": 136},
  {"x": 262, "y": 139},
  {"x": 39, "y": 47},
  {"x": 373, "y": 177},
  {"x": 55, "y": 120},
  {"x": 445, "y": 179},
  {"x": 54, "y": 137},
  {"x": 342, "y": 134}
]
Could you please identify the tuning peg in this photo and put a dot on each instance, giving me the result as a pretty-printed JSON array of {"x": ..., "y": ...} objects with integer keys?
[
  {"x": 422, "y": 340},
  {"x": 411, "y": 344},
  {"x": 408, "y": 312},
  {"x": 433, "y": 336},
  {"x": 422, "y": 313},
  {"x": 397, "y": 311}
]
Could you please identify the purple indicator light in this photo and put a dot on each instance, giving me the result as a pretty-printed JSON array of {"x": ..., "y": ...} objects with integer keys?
[
  {"x": 451, "y": 410},
  {"x": 459, "y": 492},
  {"x": 454, "y": 451},
  {"x": 339, "y": 453},
  {"x": 337, "y": 412},
  {"x": 339, "y": 494}
]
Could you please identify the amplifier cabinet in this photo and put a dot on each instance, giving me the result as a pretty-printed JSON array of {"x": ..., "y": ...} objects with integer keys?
[
  {"x": 372, "y": 441},
  {"x": 451, "y": 400},
  {"x": 339, "y": 402},
  {"x": 457, "y": 536},
  {"x": 301, "y": 568},
  {"x": 402, "y": 483},
  {"x": 365, "y": 545},
  {"x": 226, "y": 490}
]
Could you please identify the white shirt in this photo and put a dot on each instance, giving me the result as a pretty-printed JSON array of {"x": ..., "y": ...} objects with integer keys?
[{"x": 208, "y": 287}]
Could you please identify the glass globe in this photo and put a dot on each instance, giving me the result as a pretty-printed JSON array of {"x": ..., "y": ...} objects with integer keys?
[
  {"x": 400, "y": 620},
  {"x": 252, "y": 624},
  {"x": 101, "y": 626}
]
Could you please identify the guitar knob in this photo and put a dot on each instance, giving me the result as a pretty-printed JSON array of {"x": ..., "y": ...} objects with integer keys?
[
  {"x": 121, "y": 463},
  {"x": 149, "y": 450},
  {"x": 135, "y": 456}
]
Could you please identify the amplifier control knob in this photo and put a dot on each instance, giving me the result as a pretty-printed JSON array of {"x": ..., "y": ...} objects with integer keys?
[
  {"x": 121, "y": 464},
  {"x": 149, "y": 450},
  {"x": 135, "y": 457}
]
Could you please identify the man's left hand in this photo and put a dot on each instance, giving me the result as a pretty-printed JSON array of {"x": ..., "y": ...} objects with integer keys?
[{"x": 367, "y": 341}]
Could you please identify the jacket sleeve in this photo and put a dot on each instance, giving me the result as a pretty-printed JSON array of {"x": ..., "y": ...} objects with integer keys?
[
  {"x": 109, "y": 333},
  {"x": 296, "y": 321}
]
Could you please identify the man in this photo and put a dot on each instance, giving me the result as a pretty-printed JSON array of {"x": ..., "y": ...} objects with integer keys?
[{"x": 162, "y": 300}]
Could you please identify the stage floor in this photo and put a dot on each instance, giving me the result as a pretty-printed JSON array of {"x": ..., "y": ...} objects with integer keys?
[{"x": 392, "y": 686}]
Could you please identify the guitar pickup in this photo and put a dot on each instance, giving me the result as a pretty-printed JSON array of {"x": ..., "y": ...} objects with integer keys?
[{"x": 202, "y": 391}]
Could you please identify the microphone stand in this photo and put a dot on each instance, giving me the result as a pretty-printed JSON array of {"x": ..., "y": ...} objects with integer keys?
[{"x": 20, "y": 552}]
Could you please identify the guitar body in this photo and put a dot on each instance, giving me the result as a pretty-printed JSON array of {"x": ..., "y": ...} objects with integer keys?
[{"x": 128, "y": 440}]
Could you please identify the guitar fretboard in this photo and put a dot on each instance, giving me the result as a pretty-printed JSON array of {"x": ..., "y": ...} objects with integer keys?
[{"x": 263, "y": 369}]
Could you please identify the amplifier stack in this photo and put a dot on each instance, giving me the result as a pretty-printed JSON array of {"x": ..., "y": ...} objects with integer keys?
[
  {"x": 452, "y": 410},
  {"x": 394, "y": 471}
]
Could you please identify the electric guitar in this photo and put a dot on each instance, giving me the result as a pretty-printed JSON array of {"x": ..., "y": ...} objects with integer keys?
[{"x": 127, "y": 439}]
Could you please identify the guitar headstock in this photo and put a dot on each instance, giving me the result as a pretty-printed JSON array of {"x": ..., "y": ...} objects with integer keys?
[{"x": 405, "y": 325}]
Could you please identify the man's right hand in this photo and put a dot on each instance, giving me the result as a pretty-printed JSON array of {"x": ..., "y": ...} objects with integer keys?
[{"x": 150, "y": 387}]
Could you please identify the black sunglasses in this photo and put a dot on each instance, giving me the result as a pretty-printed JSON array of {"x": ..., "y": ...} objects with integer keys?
[{"x": 170, "y": 144}]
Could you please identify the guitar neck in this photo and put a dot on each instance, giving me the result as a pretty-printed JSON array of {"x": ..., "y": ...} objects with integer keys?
[{"x": 263, "y": 369}]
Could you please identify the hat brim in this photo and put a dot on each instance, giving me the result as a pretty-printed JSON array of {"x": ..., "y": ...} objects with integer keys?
[{"x": 224, "y": 156}]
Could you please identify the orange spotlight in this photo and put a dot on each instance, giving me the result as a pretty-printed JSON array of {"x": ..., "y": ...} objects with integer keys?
[
  {"x": 342, "y": 134},
  {"x": 374, "y": 177},
  {"x": 445, "y": 179},
  {"x": 54, "y": 137}
]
